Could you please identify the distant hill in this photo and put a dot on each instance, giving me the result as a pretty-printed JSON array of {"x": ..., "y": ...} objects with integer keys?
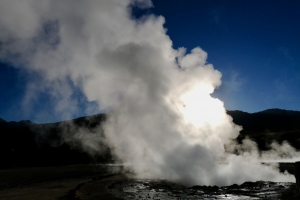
[
  {"x": 24, "y": 143},
  {"x": 269, "y": 125}
]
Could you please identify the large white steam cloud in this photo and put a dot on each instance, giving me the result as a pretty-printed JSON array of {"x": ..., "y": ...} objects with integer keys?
[{"x": 162, "y": 119}]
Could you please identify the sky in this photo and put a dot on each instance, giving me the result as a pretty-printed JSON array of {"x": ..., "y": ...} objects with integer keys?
[{"x": 254, "y": 44}]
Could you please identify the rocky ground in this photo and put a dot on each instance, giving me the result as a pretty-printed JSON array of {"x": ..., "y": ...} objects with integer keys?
[
  {"x": 147, "y": 189},
  {"x": 91, "y": 182}
]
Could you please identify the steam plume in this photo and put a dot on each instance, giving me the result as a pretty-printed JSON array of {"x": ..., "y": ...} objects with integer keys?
[{"x": 162, "y": 119}]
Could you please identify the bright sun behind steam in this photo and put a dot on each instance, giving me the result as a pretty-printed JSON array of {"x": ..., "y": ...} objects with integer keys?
[{"x": 200, "y": 109}]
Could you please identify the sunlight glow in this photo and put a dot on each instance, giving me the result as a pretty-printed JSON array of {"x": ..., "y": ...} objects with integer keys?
[{"x": 200, "y": 109}]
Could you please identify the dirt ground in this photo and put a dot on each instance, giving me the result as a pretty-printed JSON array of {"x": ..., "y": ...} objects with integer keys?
[
  {"x": 47, "y": 182},
  {"x": 45, "y": 190}
]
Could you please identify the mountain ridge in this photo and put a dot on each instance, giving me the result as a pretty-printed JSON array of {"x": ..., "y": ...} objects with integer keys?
[
  {"x": 26, "y": 143},
  {"x": 270, "y": 110},
  {"x": 267, "y": 111}
]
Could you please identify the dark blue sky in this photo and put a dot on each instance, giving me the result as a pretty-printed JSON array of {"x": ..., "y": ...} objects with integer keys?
[{"x": 253, "y": 43}]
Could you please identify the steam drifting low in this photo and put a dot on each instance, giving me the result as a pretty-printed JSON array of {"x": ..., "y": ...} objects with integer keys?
[{"x": 162, "y": 120}]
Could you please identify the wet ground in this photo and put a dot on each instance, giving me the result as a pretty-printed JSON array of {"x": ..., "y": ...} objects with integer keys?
[
  {"x": 90, "y": 182},
  {"x": 150, "y": 189}
]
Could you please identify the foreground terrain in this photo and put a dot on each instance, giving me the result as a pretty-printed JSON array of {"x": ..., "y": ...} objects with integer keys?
[
  {"x": 48, "y": 182},
  {"x": 88, "y": 182}
]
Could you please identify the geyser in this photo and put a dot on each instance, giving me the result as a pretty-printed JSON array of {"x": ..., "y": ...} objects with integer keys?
[{"x": 162, "y": 120}]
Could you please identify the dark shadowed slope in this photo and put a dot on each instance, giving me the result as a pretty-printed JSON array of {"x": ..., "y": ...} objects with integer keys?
[
  {"x": 269, "y": 125},
  {"x": 25, "y": 143},
  {"x": 28, "y": 144}
]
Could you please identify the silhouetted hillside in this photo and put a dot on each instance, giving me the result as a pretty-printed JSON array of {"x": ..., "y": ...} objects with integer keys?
[
  {"x": 269, "y": 125},
  {"x": 28, "y": 144}
]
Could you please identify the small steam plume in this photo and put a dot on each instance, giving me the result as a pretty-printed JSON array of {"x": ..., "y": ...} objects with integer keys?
[{"x": 162, "y": 119}]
